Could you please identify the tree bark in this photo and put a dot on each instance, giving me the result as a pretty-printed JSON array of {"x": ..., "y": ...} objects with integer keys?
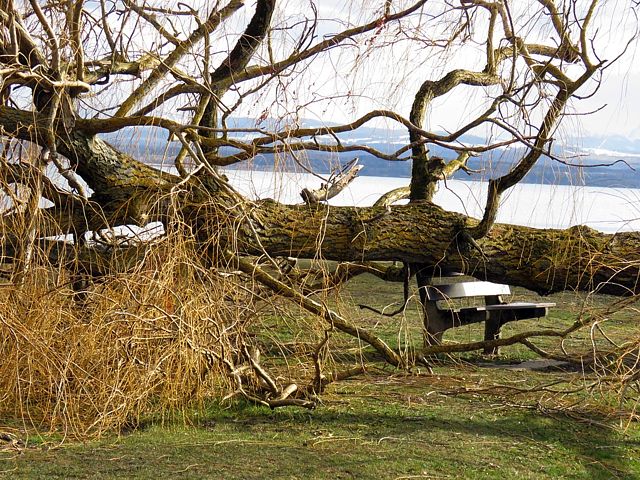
[{"x": 542, "y": 260}]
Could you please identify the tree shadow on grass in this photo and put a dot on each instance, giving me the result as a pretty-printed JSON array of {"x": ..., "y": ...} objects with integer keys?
[
  {"x": 480, "y": 445},
  {"x": 361, "y": 435}
]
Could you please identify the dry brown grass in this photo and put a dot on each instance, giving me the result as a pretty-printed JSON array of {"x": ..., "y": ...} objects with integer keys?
[{"x": 128, "y": 347}]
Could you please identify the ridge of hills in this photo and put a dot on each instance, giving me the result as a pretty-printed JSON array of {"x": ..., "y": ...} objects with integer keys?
[{"x": 592, "y": 161}]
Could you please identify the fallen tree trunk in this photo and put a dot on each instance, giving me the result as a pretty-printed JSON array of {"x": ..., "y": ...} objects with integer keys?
[{"x": 542, "y": 260}]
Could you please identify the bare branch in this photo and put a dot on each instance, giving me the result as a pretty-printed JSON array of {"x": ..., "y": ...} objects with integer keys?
[
  {"x": 216, "y": 17},
  {"x": 334, "y": 185}
]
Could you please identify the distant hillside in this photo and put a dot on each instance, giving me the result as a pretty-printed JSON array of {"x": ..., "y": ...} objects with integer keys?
[{"x": 623, "y": 156}]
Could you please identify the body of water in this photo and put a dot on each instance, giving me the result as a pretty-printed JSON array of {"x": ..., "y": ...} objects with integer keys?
[{"x": 542, "y": 206}]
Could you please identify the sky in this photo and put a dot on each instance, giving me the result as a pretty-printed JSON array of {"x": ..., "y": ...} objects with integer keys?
[
  {"x": 366, "y": 78},
  {"x": 345, "y": 83}
]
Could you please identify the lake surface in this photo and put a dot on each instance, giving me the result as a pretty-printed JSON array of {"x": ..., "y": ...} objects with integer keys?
[{"x": 542, "y": 206}]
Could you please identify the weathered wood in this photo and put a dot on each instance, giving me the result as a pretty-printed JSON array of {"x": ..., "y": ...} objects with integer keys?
[
  {"x": 334, "y": 185},
  {"x": 542, "y": 260}
]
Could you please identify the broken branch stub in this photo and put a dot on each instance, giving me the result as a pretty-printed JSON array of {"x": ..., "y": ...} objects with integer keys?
[{"x": 334, "y": 185}]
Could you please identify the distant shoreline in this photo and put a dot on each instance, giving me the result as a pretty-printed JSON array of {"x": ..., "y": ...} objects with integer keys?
[{"x": 542, "y": 206}]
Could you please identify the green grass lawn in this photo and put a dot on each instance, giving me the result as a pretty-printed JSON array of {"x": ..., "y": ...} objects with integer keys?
[
  {"x": 468, "y": 419},
  {"x": 377, "y": 427}
]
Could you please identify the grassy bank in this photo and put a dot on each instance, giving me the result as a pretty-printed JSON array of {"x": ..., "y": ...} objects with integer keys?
[
  {"x": 380, "y": 427},
  {"x": 473, "y": 417}
]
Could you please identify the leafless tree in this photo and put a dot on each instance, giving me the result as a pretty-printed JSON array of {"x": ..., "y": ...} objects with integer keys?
[{"x": 73, "y": 70}]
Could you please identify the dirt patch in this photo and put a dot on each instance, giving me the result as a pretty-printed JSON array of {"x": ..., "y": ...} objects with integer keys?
[{"x": 542, "y": 365}]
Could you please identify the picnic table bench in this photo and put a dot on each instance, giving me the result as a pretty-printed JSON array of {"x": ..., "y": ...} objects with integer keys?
[{"x": 441, "y": 313}]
